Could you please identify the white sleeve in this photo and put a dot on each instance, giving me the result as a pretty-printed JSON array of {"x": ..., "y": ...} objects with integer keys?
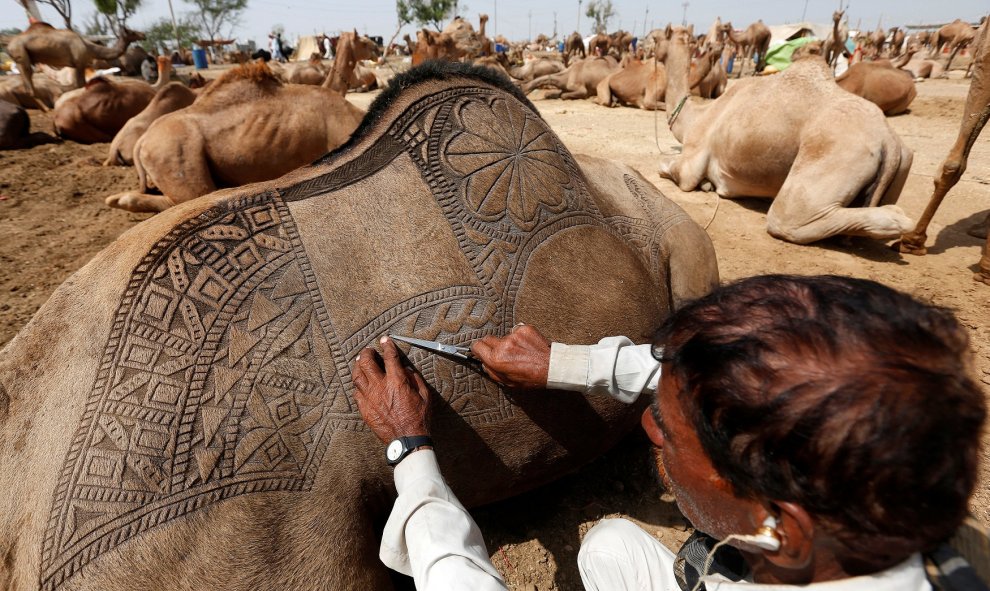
[
  {"x": 430, "y": 536},
  {"x": 615, "y": 366}
]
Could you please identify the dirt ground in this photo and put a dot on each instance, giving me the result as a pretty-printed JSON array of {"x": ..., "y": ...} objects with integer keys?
[{"x": 53, "y": 220}]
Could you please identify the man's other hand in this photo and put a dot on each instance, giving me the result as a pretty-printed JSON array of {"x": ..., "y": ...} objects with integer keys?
[
  {"x": 519, "y": 360},
  {"x": 393, "y": 400}
]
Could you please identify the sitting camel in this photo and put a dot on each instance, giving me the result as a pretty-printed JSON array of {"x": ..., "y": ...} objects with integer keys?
[
  {"x": 99, "y": 110},
  {"x": 180, "y": 414},
  {"x": 310, "y": 72},
  {"x": 15, "y": 126},
  {"x": 828, "y": 158},
  {"x": 45, "y": 91},
  {"x": 975, "y": 117},
  {"x": 643, "y": 83},
  {"x": 882, "y": 84},
  {"x": 43, "y": 44},
  {"x": 535, "y": 68},
  {"x": 169, "y": 98},
  {"x": 246, "y": 127},
  {"x": 580, "y": 79}
]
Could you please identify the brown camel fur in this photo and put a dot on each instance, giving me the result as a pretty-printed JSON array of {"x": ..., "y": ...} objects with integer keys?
[
  {"x": 192, "y": 381},
  {"x": 754, "y": 40},
  {"x": 882, "y": 84},
  {"x": 709, "y": 67},
  {"x": 43, "y": 44},
  {"x": 823, "y": 151},
  {"x": 431, "y": 45},
  {"x": 352, "y": 49},
  {"x": 246, "y": 127},
  {"x": 310, "y": 72},
  {"x": 46, "y": 91},
  {"x": 598, "y": 45},
  {"x": 574, "y": 47},
  {"x": 580, "y": 80},
  {"x": 919, "y": 66},
  {"x": 643, "y": 83},
  {"x": 470, "y": 44},
  {"x": 97, "y": 112},
  {"x": 896, "y": 35},
  {"x": 975, "y": 117},
  {"x": 533, "y": 69},
  {"x": 956, "y": 35},
  {"x": 15, "y": 126},
  {"x": 170, "y": 98}
]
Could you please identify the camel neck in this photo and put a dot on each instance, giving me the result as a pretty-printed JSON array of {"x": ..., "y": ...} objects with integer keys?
[
  {"x": 678, "y": 65},
  {"x": 107, "y": 53},
  {"x": 343, "y": 67}
]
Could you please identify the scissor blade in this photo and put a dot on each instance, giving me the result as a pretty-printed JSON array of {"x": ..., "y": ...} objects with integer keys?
[{"x": 435, "y": 346}]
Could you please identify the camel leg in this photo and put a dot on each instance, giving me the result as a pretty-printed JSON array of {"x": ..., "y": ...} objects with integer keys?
[
  {"x": 803, "y": 212},
  {"x": 80, "y": 77},
  {"x": 983, "y": 275},
  {"x": 27, "y": 75},
  {"x": 575, "y": 93},
  {"x": 139, "y": 202},
  {"x": 981, "y": 230},
  {"x": 605, "y": 92},
  {"x": 686, "y": 172}
]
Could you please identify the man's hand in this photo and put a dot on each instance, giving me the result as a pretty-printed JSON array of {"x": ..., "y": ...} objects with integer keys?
[
  {"x": 519, "y": 360},
  {"x": 392, "y": 399}
]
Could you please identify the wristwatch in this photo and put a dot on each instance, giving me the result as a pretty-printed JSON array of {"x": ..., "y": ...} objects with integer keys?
[{"x": 399, "y": 448}]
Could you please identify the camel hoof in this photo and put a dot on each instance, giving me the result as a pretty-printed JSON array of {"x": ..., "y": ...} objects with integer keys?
[{"x": 911, "y": 245}]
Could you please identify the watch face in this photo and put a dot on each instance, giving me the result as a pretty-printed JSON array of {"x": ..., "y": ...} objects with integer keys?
[{"x": 394, "y": 450}]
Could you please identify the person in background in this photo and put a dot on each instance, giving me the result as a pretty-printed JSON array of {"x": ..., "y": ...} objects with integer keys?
[{"x": 818, "y": 432}]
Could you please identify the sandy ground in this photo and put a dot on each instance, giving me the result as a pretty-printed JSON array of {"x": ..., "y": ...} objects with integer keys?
[{"x": 53, "y": 220}]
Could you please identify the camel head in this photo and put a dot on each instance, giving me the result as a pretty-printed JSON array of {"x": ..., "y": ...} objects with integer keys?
[
  {"x": 315, "y": 59},
  {"x": 837, "y": 16},
  {"x": 815, "y": 49},
  {"x": 131, "y": 36},
  {"x": 483, "y": 18}
]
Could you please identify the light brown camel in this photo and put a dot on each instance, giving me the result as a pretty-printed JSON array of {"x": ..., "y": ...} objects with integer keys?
[
  {"x": 620, "y": 43},
  {"x": 643, "y": 83},
  {"x": 598, "y": 45},
  {"x": 346, "y": 72},
  {"x": 535, "y": 68},
  {"x": 170, "y": 98},
  {"x": 709, "y": 66},
  {"x": 580, "y": 80},
  {"x": 312, "y": 71},
  {"x": 431, "y": 45},
  {"x": 896, "y": 41},
  {"x": 835, "y": 45},
  {"x": 246, "y": 127},
  {"x": 882, "y": 84},
  {"x": 755, "y": 40},
  {"x": 470, "y": 43},
  {"x": 877, "y": 41},
  {"x": 975, "y": 117},
  {"x": 98, "y": 111},
  {"x": 920, "y": 66},
  {"x": 410, "y": 44},
  {"x": 956, "y": 35},
  {"x": 716, "y": 33},
  {"x": 43, "y": 44},
  {"x": 828, "y": 158},
  {"x": 46, "y": 91},
  {"x": 574, "y": 47}
]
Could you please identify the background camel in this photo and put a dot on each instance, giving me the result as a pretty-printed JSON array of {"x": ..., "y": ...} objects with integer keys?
[
  {"x": 828, "y": 158},
  {"x": 535, "y": 68},
  {"x": 975, "y": 116},
  {"x": 170, "y": 98},
  {"x": 43, "y": 44},
  {"x": 311, "y": 71},
  {"x": 755, "y": 40},
  {"x": 45, "y": 91},
  {"x": 470, "y": 43},
  {"x": 246, "y": 127},
  {"x": 197, "y": 370},
  {"x": 956, "y": 35},
  {"x": 580, "y": 79},
  {"x": 835, "y": 45},
  {"x": 643, "y": 83},
  {"x": 98, "y": 111},
  {"x": 15, "y": 125},
  {"x": 574, "y": 47},
  {"x": 882, "y": 84}
]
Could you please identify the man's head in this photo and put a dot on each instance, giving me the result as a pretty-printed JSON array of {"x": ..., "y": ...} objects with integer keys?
[{"x": 839, "y": 396}]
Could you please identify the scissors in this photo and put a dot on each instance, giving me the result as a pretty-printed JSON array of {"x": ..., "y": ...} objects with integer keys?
[{"x": 455, "y": 351}]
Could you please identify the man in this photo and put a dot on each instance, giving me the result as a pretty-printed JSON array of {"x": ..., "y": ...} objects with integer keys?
[{"x": 826, "y": 428}]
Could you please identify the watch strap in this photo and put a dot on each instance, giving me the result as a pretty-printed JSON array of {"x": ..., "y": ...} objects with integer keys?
[{"x": 409, "y": 444}]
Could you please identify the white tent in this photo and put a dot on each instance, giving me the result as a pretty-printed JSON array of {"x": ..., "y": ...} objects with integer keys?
[{"x": 782, "y": 33}]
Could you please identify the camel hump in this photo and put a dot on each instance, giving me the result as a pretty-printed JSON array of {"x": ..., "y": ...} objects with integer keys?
[
  {"x": 97, "y": 81},
  {"x": 257, "y": 74},
  {"x": 39, "y": 26}
]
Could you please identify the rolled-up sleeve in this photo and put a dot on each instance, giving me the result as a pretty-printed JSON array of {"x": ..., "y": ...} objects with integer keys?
[
  {"x": 430, "y": 536},
  {"x": 615, "y": 366}
]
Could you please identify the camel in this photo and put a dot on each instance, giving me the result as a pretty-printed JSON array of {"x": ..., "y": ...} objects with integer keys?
[
  {"x": 713, "y": 76},
  {"x": 835, "y": 45},
  {"x": 129, "y": 63},
  {"x": 881, "y": 83},
  {"x": 620, "y": 43},
  {"x": 975, "y": 116},
  {"x": 822, "y": 151},
  {"x": 643, "y": 84},
  {"x": 310, "y": 72},
  {"x": 580, "y": 80},
  {"x": 180, "y": 415},
  {"x": 956, "y": 35},
  {"x": 15, "y": 125},
  {"x": 877, "y": 39},
  {"x": 574, "y": 47},
  {"x": 716, "y": 33},
  {"x": 43, "y": 44},
  {"x": 246, "y": 127},
  {"x": 410, "y": 44},
  {"x": 896, "y": 35},
  {"x": 754, "y": 40},
  {"x": 598, "y": 45},
  {"x": 45, "y": 91},
  {"x": 169, "y": 98},
  {"x": 919, "y": 66},
  {"x": 431, "y": 45},
  {"x": 470, "y": 43},
  {"x": 98, "y": 111},
  {"x": 535, "y": 68}
]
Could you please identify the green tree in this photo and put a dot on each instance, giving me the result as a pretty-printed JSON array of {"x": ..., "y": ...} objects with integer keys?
[
  {"x": 424, "y": 12},
  {"x": 215, "y": 17},
  {"x": 601, "y": 11},
  {"x": 160, "y": 37},
  {"x": 117, "y": 12},
  {"x": 97, "y": 24}
]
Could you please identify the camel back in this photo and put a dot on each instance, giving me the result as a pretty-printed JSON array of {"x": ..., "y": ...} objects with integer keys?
[{"x": 202, "y": 360}]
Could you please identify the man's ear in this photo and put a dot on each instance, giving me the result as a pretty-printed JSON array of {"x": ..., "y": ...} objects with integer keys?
[{"x": 796, "y": 529}]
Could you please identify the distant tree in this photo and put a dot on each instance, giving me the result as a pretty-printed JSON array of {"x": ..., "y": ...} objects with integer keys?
[
  {"x": 10, "y": 32},
  {"x": 117, "y": 11},
  {"x": 215, "y": 17},
  {"x": 160, "y": 37},
  {"x": 97, "y": 24},
  {"x": 424, "y": 12},
  {"x": 601, "y": 11}
]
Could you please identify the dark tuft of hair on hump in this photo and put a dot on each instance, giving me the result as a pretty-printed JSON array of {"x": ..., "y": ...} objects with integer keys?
[{"x": 429, "y": 70}]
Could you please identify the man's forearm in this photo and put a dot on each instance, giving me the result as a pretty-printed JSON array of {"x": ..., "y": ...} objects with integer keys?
[{"x": 615, "y": 366}]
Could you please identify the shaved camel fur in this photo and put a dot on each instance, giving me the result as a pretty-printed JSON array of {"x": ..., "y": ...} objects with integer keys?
[
  {"x": 975, "y": 117},
  {"x": 823, "y": 151}
]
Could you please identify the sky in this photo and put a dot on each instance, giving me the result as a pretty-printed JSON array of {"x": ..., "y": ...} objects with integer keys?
[{"x": 522, "y": 19}]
